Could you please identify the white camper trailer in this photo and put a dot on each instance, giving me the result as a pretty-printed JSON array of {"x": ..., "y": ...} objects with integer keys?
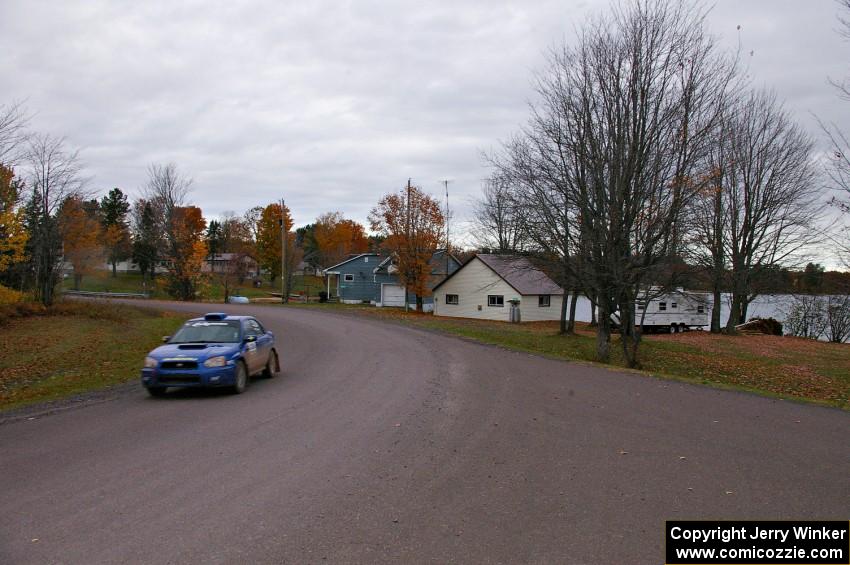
[{"x": 672, "y": 312}]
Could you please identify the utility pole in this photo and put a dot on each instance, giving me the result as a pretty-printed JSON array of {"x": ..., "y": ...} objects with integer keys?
[
  {"x": 284, "y": 295},
  {"x": 446, "y": 184},
  {"x": 407, "y": 237}
]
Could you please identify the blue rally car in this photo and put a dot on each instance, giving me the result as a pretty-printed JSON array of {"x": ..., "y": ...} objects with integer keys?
[{"x": 214, "y": 351}]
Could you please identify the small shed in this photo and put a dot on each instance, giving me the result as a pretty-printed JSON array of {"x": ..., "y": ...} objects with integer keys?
[{"x": 486, "y": 284}]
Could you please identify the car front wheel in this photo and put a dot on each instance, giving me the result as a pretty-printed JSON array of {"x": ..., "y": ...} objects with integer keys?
[{"x": 240, "y": 382}]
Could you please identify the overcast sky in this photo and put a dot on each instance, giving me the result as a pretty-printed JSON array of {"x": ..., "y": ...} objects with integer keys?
[{"x": 333, "y": 104}]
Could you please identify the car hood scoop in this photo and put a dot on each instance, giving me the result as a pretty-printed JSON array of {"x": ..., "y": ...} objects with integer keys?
[{"x": 193, "y": 346}]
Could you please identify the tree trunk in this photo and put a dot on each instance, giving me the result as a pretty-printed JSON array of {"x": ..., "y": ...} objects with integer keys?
[
  {"x": 571, "y": 325},
  {"x": 114, "y": 269},
  {"x": 593, "y": 321},
  {"x": 734, "y": 313},
  {"x": 603, "y": 335},
  {"x": 77, "y": 280},
  {"x": 630, "y": 336},
  {"x": 564, "y": 299},
  {"x": 715, "y": 312}
]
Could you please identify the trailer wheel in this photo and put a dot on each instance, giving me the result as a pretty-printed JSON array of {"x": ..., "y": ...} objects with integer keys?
[{"x": 672, "y": 328}]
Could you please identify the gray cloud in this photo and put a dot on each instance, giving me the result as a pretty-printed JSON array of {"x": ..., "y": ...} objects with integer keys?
[{"x": 332, "y": 104}]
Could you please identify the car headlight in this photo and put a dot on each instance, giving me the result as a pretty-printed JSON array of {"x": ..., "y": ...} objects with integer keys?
[
  {"x": 219, "y": 361},
  {"x": 150, "y": 363}
]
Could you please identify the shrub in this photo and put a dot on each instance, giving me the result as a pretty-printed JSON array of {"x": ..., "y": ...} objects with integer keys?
[{"x": 323, "y": 296}]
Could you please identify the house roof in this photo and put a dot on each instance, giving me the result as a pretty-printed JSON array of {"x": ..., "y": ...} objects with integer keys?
[
  {"x": 436, "y": 257},
  {"x": 351, "y": 259},
  {"x": 517, "y": 271}
]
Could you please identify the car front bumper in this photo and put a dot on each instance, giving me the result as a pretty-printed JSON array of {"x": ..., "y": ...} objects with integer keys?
[{"x": 192, "y": 378}]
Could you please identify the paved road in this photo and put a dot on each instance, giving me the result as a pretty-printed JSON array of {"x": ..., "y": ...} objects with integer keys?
[{"x": 380, "y": 443}]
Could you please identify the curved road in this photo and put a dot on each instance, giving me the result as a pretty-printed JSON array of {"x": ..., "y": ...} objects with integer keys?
[{"x": 382, "y": 443}]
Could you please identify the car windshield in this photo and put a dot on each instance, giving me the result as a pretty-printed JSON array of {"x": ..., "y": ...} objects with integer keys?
[{"x": 204, "y": 331}]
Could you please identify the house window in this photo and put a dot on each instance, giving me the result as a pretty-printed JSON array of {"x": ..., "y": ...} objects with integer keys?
[
  {"x": 544, "y": 301},
  {"x": 700, "y": 309},
  {"x": 452, "y": 299},
  {"x": 348, "y": 278},
  {"x": 496, "y": 300},
  {"x": 640, "y": 306},
  {"x": 662, "y": 306},
  {"x": 674, "y": 305}
]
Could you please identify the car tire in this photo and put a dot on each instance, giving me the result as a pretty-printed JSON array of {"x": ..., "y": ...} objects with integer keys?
[
  {"x": 157, "y": 391},
  {"x": 271, "y": 365},
  {"x": 241, "y": 379}
]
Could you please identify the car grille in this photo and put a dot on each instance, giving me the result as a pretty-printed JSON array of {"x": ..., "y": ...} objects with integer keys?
[
  {"x": 179, "y": 379},
  {"x": 179, "y": 365}
]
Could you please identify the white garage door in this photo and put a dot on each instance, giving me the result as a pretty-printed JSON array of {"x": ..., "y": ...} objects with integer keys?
[{"x": 392, "y": 295}]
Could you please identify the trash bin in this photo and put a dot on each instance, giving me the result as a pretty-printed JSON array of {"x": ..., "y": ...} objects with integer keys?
[{"x": 515, "y": 313}]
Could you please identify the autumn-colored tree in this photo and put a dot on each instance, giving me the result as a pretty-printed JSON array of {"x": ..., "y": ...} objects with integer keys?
[
  {"x": 13, "y": 235},
  {"x": 269, "y": 242},
  {"x": 81, "y": 237},
  {"x": 412, "y": 225},
  {"x": 187, "y": 251},
  {"x": 116, "y": 232},
  {"x": 337, "y": 237}
]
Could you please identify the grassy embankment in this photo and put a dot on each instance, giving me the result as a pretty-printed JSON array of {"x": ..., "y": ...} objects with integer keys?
[
  {"x": 73, "y": 347},
  {"x": 103, "y": 281},
  {"x": 785, "y": 367}
]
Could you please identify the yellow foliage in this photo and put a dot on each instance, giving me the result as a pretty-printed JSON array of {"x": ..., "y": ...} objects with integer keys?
[{"x": 9, "y": 296}]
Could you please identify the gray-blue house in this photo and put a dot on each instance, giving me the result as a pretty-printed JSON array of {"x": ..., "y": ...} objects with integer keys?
[{"x": 372, "y": 278}]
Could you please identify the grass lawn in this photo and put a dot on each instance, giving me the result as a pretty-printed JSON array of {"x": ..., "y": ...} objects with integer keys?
[
  {"x": 78, "y": 347},
  {"x": 786, "y": 367},
  {"x": 103, "y": 281}
]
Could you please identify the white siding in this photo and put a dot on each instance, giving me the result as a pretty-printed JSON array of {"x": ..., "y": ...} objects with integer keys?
[
  {"x": 531, "y": 312},
  {"x": 474, "y": 283}
]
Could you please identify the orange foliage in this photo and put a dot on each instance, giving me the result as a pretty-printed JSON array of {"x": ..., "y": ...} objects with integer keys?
[
  {"x": 268, "y": 239},
  {"x": 337, "y": 238},
  {"x": 186, "y": 251},
  {"x": 80, "y": 238},
  {"x": 412, "y": 224}
]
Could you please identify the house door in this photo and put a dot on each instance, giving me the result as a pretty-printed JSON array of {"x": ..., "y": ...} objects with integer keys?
[{"x": 392, "y": 295}]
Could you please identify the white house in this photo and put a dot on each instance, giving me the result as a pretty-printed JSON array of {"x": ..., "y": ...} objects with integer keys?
[{"x": 484, "y": 286}]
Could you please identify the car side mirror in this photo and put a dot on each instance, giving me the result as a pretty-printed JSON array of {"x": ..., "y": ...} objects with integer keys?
[
  {"x": 250, "y": 338},
  {"x": 165, "y": 338}
]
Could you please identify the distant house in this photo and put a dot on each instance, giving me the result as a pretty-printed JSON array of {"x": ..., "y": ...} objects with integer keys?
[
  {"x": 484, "y": 286},
  {"x": 231, "y": 264},
  {"x": 352, "y": 281},
  {"x": 373, "y": 278},
  {"x": 306, "y": 269}
]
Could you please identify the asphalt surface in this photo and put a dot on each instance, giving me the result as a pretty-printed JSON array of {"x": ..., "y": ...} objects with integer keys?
[{"x": 380, "y": 443}]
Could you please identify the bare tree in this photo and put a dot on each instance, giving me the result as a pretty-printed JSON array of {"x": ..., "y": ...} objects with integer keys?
[
  {"x": 838, "y": 156},
  {"x": 806, "y": 317},
  {"x": 838, "y": 318},
  {"x": 541, "y": 203},
  {"x": 55, "y": 173},
  {"x": 769, "y": 186},
  {"x": 497, "y": 222},
  {"x": 623, "y": 123},
  {"x": 167, "y": 187},
  {"x": 13, "y": 121}
]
